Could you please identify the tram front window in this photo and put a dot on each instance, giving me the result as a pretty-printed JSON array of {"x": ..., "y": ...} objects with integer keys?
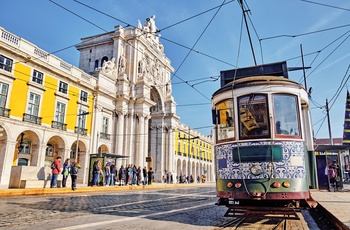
[
  {"x": 286, "y": 117},
  {"x": 253, "y": 116},
  {"x": 225, "y": 128}
]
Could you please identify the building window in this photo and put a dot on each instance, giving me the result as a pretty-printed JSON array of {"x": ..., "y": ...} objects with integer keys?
[
  {"x": 81, "y": 119},
  {"x": 26, "y": 147},
  {"x": 22, "y": 162},
  {"x": 63, "y": 87},
  {"x": 60, "y": 112},
  {"x": 96, "y": 64},
  {"x": 83, "y": 96},
  {"x": 33, "y": 104},
  {"x": 105, "y": 125},
  {"x": 49, "y": 150},
  {"x": 5, "y": 63},
  {"x": 38, "y": 77},
  {"x": 3, "y": 94}
]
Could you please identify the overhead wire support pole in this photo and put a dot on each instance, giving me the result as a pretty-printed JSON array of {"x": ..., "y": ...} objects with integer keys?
[
  {"x": 329, "y": 123},
  {"x": 246, "y": 25},
  {"x": 302, "y": 59}
]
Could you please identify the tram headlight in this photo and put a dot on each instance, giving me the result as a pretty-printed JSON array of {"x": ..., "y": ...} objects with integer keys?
[
  {"x": 256, "y": 170},
  {"x": 229, "y": 184},
  {"x": 286, "y": 184}
]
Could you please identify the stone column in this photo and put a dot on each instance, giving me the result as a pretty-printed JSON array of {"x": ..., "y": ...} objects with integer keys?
[
  {"x": 120, "y": 134},
  {"x": 145, "y": 141},
  {"x": 129, "y": 138},
  {"x": 171, "y": 150},
  {"x": 6, "y": 163},
  {"x": 140, "y": 141}
]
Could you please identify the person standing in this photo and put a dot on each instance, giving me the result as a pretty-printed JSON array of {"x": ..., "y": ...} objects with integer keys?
[
  {"x": 108, "y": 173},
  {"x": 96, "y": 173},
  {"x": 74, "y": 167},
  {"x": 121, "y": 175},
  {"x": 130, "y": 174},
  {"x": 65, "y": 172},
  {"x": 56, "y": 169},
  {"x": 113, "y": 173},
  {"x": 144, "y": 174},
  {"x": 138, "y": 175},
  {"x": 150, "y": 176}
]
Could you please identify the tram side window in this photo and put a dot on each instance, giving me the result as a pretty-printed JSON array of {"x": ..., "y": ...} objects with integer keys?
[
  {"x": 286, "y": 117},
  {"x": 225, "y": 126},
  {"x": 253, "y": 116}
]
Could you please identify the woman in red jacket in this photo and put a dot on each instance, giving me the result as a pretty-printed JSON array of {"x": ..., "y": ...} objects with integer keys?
[{"x": 56, "y": 169}]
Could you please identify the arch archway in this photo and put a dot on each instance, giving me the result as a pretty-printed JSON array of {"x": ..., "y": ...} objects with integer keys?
[
  {"x": 155, "y": 97},
  {"x": 103, "y": 149},
  {"x": 27, "y": 149},
  {"x": 55, "y": 147}
]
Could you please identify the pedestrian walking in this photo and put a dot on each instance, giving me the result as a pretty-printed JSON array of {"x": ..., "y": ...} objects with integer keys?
[
  {"x": 74, "y": 167},
  {"x": 56, "y": 169},
  {"x": 65, "y": 172}
]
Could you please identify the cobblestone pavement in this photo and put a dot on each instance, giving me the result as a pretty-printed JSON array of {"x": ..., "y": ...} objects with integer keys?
[{"x": 185, "y": 208}]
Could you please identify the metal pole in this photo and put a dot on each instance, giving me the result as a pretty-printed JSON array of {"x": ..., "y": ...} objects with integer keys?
[
  {"x": 329, "y": 124},
  {"x": 302, "y": 59},
  {"x": 246, "y": 25},
  {"x": 189, "y": 157},
  {"x": 77, "y": 144}
]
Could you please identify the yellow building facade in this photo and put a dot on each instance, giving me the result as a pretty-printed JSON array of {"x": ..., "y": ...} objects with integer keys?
[{"x": 42, "y": 99}]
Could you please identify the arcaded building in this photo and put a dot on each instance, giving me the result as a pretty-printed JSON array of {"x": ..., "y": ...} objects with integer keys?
[{"x": 118, "y": 102}]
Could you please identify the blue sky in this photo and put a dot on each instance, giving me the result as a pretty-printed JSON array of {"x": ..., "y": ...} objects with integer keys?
[{"x": 277, "y": 27}]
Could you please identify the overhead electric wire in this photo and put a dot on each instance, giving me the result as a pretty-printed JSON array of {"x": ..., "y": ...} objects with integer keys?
[
  {"x": 175, "y": 24},
  {"x": 340, "y": 88},
  {"x": 200, "y": 36},
  {"x": 322, "y": 4},
  {"x": 328, "y": 55},
  {"x": 77, "y": 15},
  {"x": 304, "y": 34}
]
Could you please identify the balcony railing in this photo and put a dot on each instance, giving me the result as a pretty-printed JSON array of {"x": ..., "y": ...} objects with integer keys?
[
  {"x": 5, "y": 112},
  {"x": 59, "y": 125},
  {"x": 105, "y": 136},
  {"x": 31, "y": 118},
  {"x": 81, "y": 131}
]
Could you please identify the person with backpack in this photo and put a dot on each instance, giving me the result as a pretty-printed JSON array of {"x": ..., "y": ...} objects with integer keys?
[
  {"x": 56, "y": 169},
  {"x": 74, "y": 167},
  {"x": 65, "y": 172}
]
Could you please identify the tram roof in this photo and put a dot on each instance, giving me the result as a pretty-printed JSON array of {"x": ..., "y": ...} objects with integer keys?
[{"x": 278, "y": 69}]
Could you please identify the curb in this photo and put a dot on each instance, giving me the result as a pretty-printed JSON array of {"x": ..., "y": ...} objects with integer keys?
[{"x": 50, "y": 191}]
